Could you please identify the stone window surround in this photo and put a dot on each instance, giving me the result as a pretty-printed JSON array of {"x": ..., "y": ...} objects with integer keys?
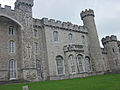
[
  {"x": 60, "y": 65},
  {"x": 71, "y": 59},
  {"x": 12, "y": 46},
  {"x": 55, "y": 36},
  {"x": 11, "y": 30},
  {"x": 12, "y": 69}
]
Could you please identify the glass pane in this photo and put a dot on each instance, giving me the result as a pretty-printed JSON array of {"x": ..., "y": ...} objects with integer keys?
[{"x": 12, "y": 69}]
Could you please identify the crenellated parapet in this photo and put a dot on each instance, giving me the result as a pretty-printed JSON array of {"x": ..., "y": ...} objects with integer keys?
[
  {"x": 85, "y": 13},
  {"x": 103, "y": 51},
  {"x": 6, "y": 8},
  {"x": 109, "y": 39},
  {"x": 64, "y": 25},
  {"x": 24, "y": 2},
  {"x": 37, "y": 23},
  {"x": 118, "y": 43},
  {"x": 7, "y": 11}
]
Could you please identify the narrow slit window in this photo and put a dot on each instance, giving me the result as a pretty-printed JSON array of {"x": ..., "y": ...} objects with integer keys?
[
  {"x": 55, "y": 36},
  {"x": 11, "y": 30},
  {"x": 11, "y": 46}
]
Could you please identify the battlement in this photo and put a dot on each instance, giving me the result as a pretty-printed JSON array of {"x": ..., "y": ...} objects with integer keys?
[
  {"x": 6, "y": 7},
  {"x": 118, "y": 43},
  {"x": 103, "y": 51},
  {"x": 6, "y": 10},
  {"x": 37, "y": 23},
  {"x": 85, "y": 13},
  {"x": 64, "y": 25},
  {"x": 109, "y": 39},
  {"x": 24, "y": 2}
]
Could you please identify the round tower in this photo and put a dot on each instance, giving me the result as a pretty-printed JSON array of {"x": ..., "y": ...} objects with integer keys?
[
  {"x": 94, "y": 46},
  {"x": 110, "y": 44},
  {"x": 23, "y": 9}
]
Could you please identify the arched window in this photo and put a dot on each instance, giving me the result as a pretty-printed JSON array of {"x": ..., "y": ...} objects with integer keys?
[
  {"x": 11, "y": 46},
  {"x": 12, "y": 69},
  {"x": 35, "y": 33},
  {"x": 70, "y": 36},
  {"x": 87, "y": 64},
  {"x": 72, "y": 63},
  {"x": 38, "y": 67},
  {"x": 80, "y": 63},
  {"x": 55, "y": 36},
  {"x": 60, "y": 65},
  {"x": 11, "y": 30}
]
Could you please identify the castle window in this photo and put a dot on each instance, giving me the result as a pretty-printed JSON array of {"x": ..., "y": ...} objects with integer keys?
[
  {"x": 72, "y": 63},
  {"x": 11, "y": 46},
  {"x": 70, "y": 36},
  {"x": 87, "y": 64},
  {"x": 55, "y": 36},
  {"x": 38, "y": 67},
  {"x": 83, "y": 39},
  {"x": 11, "y": 30},
  {"x": 80, "y": 63},
  {"x": 113, "y": 49},
  {"x": 35, "y": 33},
  {"x": 36, "y": 47},
  {"x": 60, "y": 63},
  {"x": 12, "y": 69}
]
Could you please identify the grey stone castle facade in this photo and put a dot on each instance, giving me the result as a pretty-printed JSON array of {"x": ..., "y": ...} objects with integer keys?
[{"x": 46, "y": 49}]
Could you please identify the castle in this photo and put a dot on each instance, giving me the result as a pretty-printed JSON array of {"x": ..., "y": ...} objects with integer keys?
[{"x": 46, "y": 49}]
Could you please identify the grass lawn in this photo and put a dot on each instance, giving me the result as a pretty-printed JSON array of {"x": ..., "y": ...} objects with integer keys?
[{"x": 102, "y": 82}]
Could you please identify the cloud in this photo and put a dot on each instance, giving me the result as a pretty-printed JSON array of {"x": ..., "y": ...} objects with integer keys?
[{"x": 106, "y": 11}]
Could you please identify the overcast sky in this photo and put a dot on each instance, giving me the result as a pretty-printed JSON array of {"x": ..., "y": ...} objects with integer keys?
[{"x": 107, "y": 12}]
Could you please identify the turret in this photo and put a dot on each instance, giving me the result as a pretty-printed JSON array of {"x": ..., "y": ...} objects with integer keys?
[
  {"x": 109, "y": 39},
  {"x": 25, "y": 5},
  {"x": 94, "y": 46},
  {"x": 110, "y": 43},
  {"x": 23, "y": 9}
]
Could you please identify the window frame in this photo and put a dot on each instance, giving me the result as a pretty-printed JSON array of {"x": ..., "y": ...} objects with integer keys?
[
  {"x": 83, "y": 39},
  {"x": 38, "y": 67},
  {"x": 12, "y": 46},
  {"x": 86, "y": 64},
  {"x": 58, "y": 58},
  {"x": 11, "y": 30},
  {"x": 70, "y": 37},
  {"x": 35, "y": 33},
  {"x": 12, "y": 69},
  {"x": 55, "y": 36},
  {"x": 80, "y": 66},
  {"x": 71, "y": 59}
]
